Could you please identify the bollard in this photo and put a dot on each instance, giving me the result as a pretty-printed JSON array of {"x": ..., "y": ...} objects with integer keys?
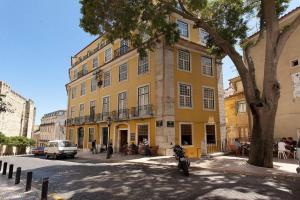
[
  {"x": 18, "y": 175},
  {"x": 45, "y": 188},
  {"x": 10, "y": 171},
  {"x": 4, "y": 168},
  {"x": 0, "y": 165},
  {"x": 28, "y": 181}
]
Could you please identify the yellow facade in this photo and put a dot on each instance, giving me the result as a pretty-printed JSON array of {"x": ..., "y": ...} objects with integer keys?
[{"x": 154, "y": 110}]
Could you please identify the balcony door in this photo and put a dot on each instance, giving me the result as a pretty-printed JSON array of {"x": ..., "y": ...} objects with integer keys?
[
  {"x": 143, "y": 99},
  {"x": 92, "y": 110}
]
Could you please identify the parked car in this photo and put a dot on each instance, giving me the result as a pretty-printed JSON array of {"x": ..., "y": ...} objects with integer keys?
[
  {"x": 38, "y": 151},
  {"x": 60, "y": 148}
]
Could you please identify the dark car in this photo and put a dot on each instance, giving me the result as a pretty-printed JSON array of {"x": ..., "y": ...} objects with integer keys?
[{"x": 38, "y": 151}]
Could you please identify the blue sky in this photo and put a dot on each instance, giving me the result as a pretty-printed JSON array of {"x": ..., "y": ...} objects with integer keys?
[{"x": 37, "y": 39}]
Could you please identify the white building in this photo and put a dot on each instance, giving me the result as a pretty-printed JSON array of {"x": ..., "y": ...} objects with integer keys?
[
  {"x": 52, "y": 127},
  {"x": 20, "y": 121}
]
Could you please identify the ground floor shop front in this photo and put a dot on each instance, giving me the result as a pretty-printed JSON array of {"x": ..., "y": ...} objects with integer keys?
[{"x": 196, "y": 138}]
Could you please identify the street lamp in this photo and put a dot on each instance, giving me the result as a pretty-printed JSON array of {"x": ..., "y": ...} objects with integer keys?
[{"x": 108, "y": 121}]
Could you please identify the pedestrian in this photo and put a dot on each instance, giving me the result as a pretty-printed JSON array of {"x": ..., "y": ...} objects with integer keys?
[
  {"x": 94, "y": 147},
  {"x": 147, "y": 149},
  {"x": 110, "y": 150}
]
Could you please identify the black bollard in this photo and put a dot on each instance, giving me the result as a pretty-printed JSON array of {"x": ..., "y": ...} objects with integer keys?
[
  {"x": 4, "y": 168},
  {"x": 0, "y": 165},
  {"x": 10, "y": 171},
  {"x": 45, "y": 188},
  {"x": 28, "y": 181},
  {"x": 18, "y": 175}
]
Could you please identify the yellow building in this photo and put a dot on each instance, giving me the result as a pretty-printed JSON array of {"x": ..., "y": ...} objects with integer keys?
[
  {"x": 169, "y": 97},
  {"x": 237, "y": 112}
]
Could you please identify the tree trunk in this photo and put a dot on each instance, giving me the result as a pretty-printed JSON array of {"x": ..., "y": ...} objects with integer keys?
[{"x": 261, "y": 148}]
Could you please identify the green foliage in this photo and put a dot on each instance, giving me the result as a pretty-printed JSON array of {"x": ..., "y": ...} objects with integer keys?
[
  {"x": 19, "y": 141},
  {"x": 4, "y": 106},
  {"x": 134, "y": 19}
]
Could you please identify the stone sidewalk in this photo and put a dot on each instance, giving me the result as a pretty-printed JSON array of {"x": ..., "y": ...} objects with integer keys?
[
  {"x": 239, "y": 165},
  {"x": 232, "y": 164},
  {"x": 10, "y": 191}
]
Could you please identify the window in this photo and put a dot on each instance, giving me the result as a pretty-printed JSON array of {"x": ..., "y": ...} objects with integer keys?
[
  {"x": 294, "y": 63},
  {"x": 183, "y": 28},
  {"x": 122, "y": 104},
  {"x": 186, "y": 134},
  {"x": 92, "y": 108},
  {"x": 105, "y": 106},
  {"x": 142, "y": 132},
  {"x": 74, "y": 91},
  {"x": 73, "y": 111},
  {"x": 82, "y": 90},
  {"x": 95, "y": 62},
  {"x": 210, "y": 134},
  {"x": 203, "y": 35},
  {"x": 143, "y": 96},
  {"x": 185, "y": 95},
  {"x": 207, "y": 68},
  {"x": 123, "y": 72},
  {"x": 241, "y": 106},
  {"x": 106, "y": 79},
  {"x": 124, "y": 43},
  {"x": 84, "y": 69},
  {"x": 108, "y": 55},
  {"x": 208, "y": 98},
  {"x": 91, "y": 134},
  {"x": 93, "y": 84},
  {"x": 81, "y": 110},
  {"x": 143, "y": 65},
  {"x": 184, "y": 60},
  {"x": 75, "y": 74}
]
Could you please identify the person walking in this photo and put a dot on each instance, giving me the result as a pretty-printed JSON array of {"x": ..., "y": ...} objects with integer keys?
[{"x": 94, "y": 150}]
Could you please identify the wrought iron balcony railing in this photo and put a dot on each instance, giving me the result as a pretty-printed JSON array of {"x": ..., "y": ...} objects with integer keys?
[
  {"x": 121, "y": 51},
  {"x": 142, "y": 111}
]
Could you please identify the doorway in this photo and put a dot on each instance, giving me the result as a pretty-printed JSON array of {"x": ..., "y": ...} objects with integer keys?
[
  {"x": 123, "y": 138},
  {"x": 104, "y": 135},
  {"x": 80, "y": 133}
]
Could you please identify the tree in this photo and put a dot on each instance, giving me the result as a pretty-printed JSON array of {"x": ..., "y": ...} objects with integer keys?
[{"x": 226, "y": 22}]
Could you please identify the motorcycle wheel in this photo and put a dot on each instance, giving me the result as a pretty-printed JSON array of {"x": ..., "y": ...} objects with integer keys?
[{"x": 185, "y": 168}]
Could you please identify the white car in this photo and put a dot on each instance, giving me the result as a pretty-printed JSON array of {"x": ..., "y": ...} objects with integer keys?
[{"x": 60, "y": 148}]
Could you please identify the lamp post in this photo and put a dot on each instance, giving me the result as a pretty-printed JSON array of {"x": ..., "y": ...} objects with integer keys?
[{"x": 108, "y": 121}]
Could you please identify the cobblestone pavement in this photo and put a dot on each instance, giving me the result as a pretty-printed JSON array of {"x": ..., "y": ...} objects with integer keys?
[{"x": 79, "y": 179}]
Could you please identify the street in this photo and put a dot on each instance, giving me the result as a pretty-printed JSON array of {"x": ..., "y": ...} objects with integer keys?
[{"x": 79, "y": 179}]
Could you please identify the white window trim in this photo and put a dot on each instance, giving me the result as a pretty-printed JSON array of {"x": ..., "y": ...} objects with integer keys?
[
  {"x": 137, "y": 93},
  {"x": 137, "y": 133},
  {"x": 178, "y": 95},
  {"x": 212, "y": 65},
  {"x": 127, "y": 77},
  {"x": 111, "y": 51},
  {"x": 215, "y": 103},
  {"x": 184, "y": 49},
  {"x": 80, "y": 110},
  {"x": 95, "y": 105},
  {"x": 216, "y": 134},
  {"x": 149, "y": 68},
  {"x": 199, "y": 35},
  {"x": 96, "y": 56},
  {"x": 180, "y": 142},
  {"x": 108, "y": 104},
  {"x": 74, "y": 111},
  {"x": 188, "y": 26},
  {"x": 75, "y": 88},
  {"x": 81, "y": 88},
  {"x": 91, "y": 79},
  {"x": 110, "y": 79},
  {"x": 126, "y": 99}
]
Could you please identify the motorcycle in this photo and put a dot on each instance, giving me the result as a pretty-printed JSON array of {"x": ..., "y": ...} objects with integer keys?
[{"x": 183, "y": 162}]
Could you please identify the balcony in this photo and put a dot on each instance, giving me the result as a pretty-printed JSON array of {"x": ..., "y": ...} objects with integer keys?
[
  {"x": 121, "y": 51},
  {"x": 142, "y": 111},
  {"x": 145, "y": 111}
]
